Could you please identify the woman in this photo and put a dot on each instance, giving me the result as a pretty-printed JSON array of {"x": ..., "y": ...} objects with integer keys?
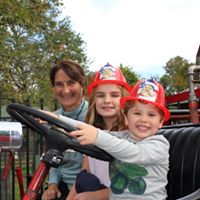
[{"x": 68, "y": 80}]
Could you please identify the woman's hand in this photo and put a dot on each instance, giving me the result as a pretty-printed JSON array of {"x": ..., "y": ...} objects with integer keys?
[{"x": 51, "y": 193}]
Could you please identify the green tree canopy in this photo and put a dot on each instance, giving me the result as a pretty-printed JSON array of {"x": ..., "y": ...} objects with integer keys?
[
  {"x": 32, "y": 39},
  {"x": 175, "y": 78},
  {"x": 129, "y": 74}
]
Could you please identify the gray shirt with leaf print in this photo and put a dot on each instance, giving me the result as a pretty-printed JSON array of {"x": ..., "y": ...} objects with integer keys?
[{"x": 140, "y": 168}]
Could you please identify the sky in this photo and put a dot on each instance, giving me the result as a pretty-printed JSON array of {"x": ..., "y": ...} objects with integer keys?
[{"x": 141, "y": 34}]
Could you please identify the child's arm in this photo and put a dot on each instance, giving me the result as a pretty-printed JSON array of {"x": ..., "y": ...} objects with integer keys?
[
  {"x": 151, "y": 149},
  {"x": 70, "y": 120},
  {"x": 122, "y": 149},
  {"x": 62, "y": 118}
]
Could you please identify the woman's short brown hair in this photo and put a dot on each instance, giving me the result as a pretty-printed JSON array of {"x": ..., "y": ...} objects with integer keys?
[{"x": 72, "y": 69}]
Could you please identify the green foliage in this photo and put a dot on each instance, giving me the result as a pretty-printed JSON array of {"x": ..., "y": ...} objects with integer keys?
[
  {"x": 90, "y": 78},
  {"x": 32, "y": 39},
  {"x": 129, "y": 74},
  {"x": 175, "y": 79}
]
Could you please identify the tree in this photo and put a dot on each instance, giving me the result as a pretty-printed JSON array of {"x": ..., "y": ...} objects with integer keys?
[
  {"x": 175, "y": 78},
  {"x": 32, "y": 39},
  {"x": 129, "y": 74}
]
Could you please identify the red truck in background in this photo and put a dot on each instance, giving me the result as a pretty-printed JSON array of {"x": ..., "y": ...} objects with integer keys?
[{"x": 184, "y": 106}]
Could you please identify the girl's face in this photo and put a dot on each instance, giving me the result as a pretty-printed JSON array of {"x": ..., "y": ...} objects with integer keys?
[
  {"x": 144, "y": 120},
  {"x": 107, "y": 100},
  {"x": 68, "y": 92}
]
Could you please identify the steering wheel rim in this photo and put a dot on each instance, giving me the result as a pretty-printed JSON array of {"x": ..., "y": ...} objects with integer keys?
[{"x": 28, "y": 116}]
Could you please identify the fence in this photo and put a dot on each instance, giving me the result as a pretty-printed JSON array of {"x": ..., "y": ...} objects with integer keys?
[{"x": 25, "y": 160}]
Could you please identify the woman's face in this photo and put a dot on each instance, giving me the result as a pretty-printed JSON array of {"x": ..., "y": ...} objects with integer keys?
[
  {"x": 68, "y": 92},
  {"x": 107, "y": 100}
]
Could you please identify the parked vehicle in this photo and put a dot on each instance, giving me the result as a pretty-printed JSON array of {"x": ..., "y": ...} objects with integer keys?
[{"x": 10, "y": 135}]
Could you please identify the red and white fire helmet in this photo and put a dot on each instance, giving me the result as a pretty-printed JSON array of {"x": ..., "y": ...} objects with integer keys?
[
  {"x": 109, "y": 74},
  {"x": 148, "y": 91}
]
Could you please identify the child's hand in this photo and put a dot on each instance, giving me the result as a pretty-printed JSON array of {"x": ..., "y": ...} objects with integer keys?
[{"x": 86, "y": 135}]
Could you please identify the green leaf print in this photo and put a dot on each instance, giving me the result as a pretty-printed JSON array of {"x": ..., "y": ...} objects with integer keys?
[
  {"x": 118, "y": 183},
  {"x": 129, "y": 169},
  {"x": 127, "y": 175},
  {"x": 137, "y": 185}
]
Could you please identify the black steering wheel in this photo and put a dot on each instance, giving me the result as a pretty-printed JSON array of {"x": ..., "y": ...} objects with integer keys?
[{"x": 54, "y": 135}]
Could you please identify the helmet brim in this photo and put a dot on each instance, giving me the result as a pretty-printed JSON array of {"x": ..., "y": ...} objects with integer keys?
[
  {"x": 99, "y": 82},
  {"x": 166, "y": 112}
]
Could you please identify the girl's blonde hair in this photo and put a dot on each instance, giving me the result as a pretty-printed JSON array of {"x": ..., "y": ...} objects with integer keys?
[{"x": 96, "y": 120}]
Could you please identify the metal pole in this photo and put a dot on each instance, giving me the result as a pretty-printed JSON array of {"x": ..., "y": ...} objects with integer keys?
[{"x": 193, "y": 103}]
